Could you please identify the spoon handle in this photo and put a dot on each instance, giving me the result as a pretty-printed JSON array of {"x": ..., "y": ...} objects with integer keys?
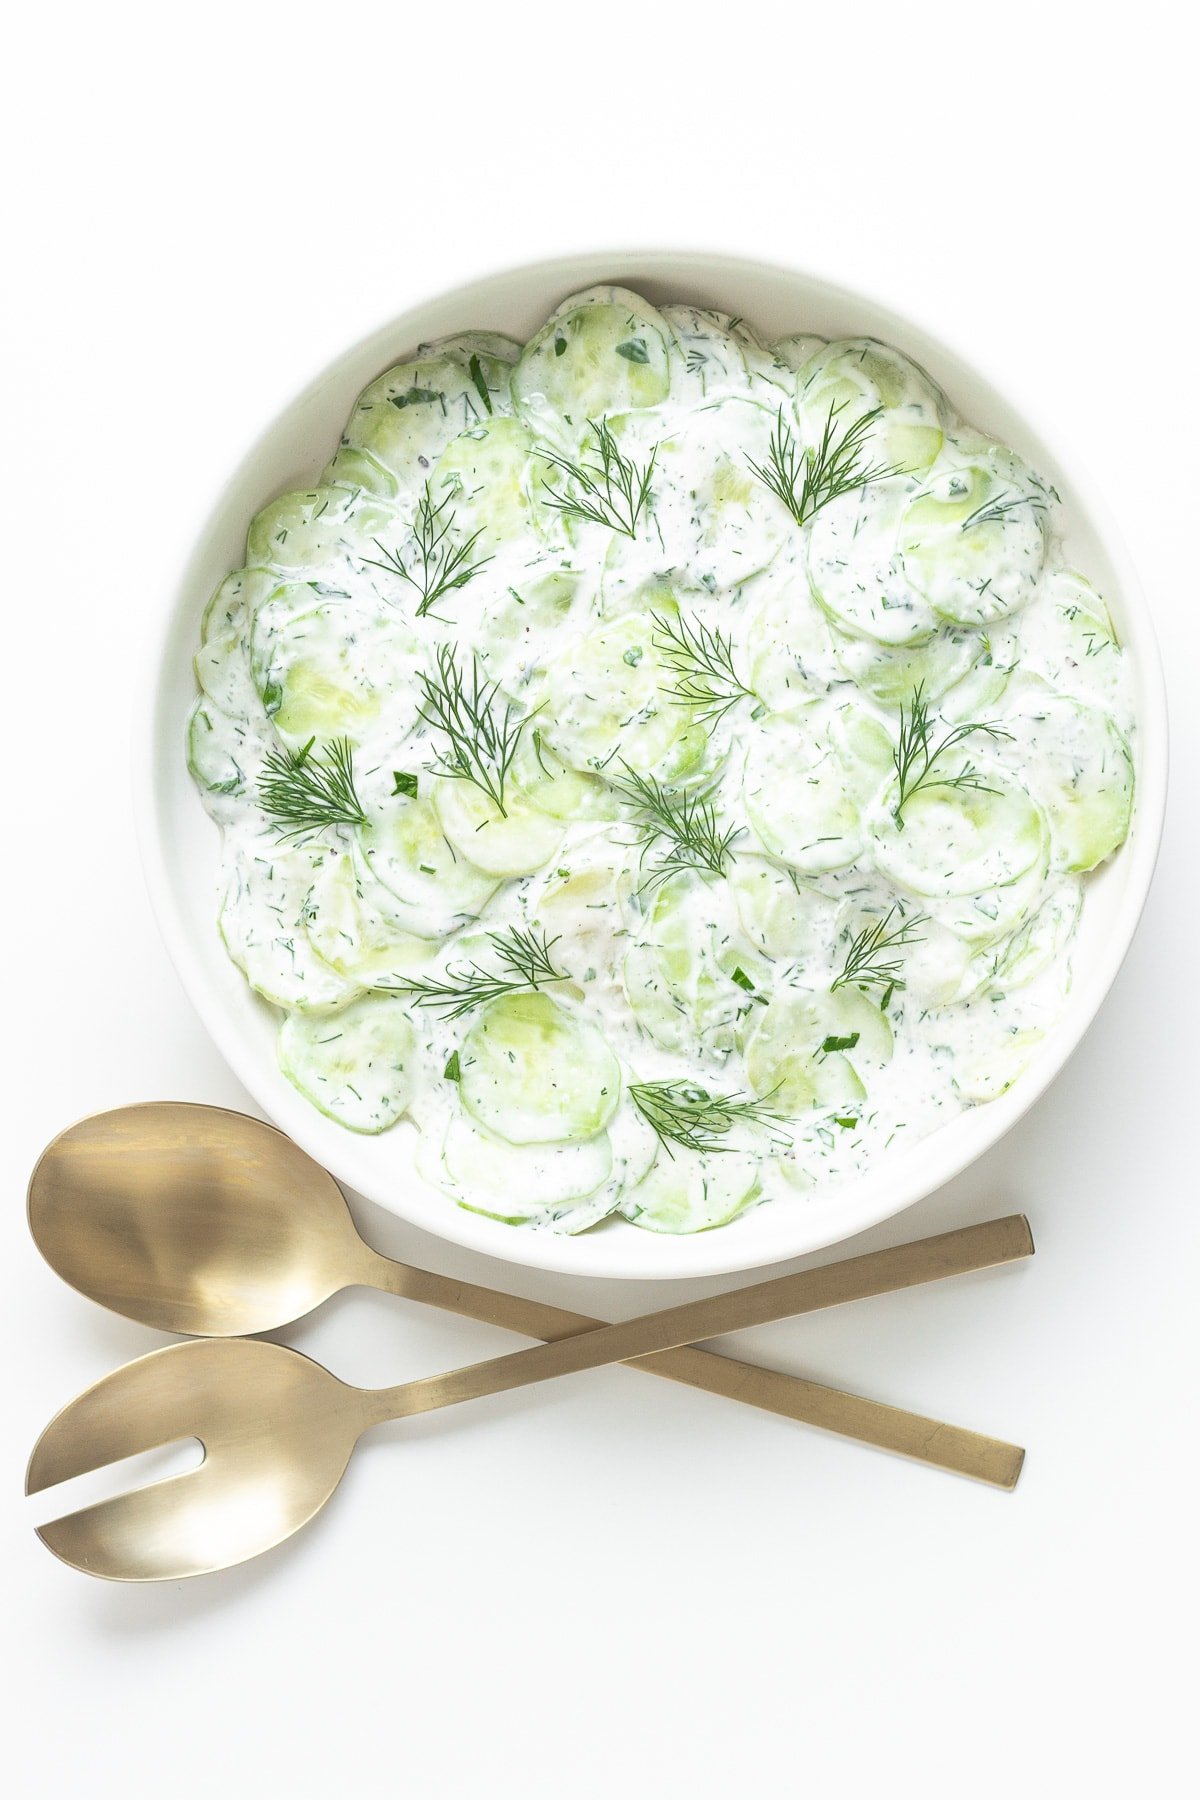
[{"x": 578, "y": 1342}]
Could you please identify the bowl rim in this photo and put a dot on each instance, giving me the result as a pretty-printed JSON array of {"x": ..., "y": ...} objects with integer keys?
[{"x": 653, "y": 1256}]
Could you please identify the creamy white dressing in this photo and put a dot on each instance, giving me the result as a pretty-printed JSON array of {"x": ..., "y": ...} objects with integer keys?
[{"x": 939, "y": 584}]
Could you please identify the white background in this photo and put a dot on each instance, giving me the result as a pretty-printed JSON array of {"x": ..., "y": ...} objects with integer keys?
[{"x": 608, "y": 1587}]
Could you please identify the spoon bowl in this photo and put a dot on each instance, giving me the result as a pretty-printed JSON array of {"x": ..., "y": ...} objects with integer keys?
[
  {"x": 192, "y": 1219},
  {"x": 277, "y": 1431}
]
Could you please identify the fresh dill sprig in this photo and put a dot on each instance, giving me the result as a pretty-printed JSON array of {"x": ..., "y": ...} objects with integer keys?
[
  {"x": 482, "y": 731},
  {"x": 613, "y": 491},
  {"x": 302, "y": 793},
  {"x": 441, "y": 564},
  {"x": 702, "y": 662},
  {"x": 868, "y": 962},
  {"x": 806, "y": 480},
  {"x": 687, "y": 822},
  {"x": 525, "y": 962},
  {"x": 1000, "y": 507},
  {"x": 679, "y": 1112},
  {"x": 916, "y": 756}
]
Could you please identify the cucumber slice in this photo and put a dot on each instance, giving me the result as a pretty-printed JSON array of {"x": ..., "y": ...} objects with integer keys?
[
  {"x": 494, "y": 482},
  {"x": 235, "y": 601},
  {"x": 789, "y": 644},
  {"x": 1068, "y": 638},
  {"x": 562, "y": 1185},
  {"x": 973, "y": 538},
  {"x": 985, "y": 1074},
  {"x": 656, "y": 1010},
  {"x": 856, "y": 572},
  {"x": 534, "y": 1073},
  {"x": 223, "y": 675},
  {"x": 554, "y": 787},
  {"x": 263, "y": 926},
  {"x": 515, "y": 843},
  {"x": 405, "y": 418},
  {"x": 799, "y": 797},
  {"x": 526, "y": 605},
  {"x": 334, "y": 669},
  {"x": 690, "y": 1191},
  {"x": 1081, "y": 768},
  {"x": 1041, "y": 942},
  {"x": 710, "y": 970},
  {"x": 350, "y": 924},
  {"x": 580, "y": 908},
  {"x": 219, "y": 749},
  {"x": 797, "y": 350},
  {"x": 435, "y": 890},
  {"x": 358, "y": 1066},
  {"x": 359, "y": 469},
  {"x": 957, "y": 841},
  {"x": 891, "y": 675},
  {"x": 780, "y": 914},
  {"x": 604, "y": 351},
  {"x": 713, "y": 360},
  {"x": 985, "y": 918},
  {"x": 856, "y": 375},
  {"x": 712, "y": 515},
  {"x": 611, "y": 704},
  {"x": 323, "y": 530},
  {"x": 786, "y": 1054}
]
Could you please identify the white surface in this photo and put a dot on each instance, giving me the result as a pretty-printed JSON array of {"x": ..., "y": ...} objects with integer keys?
[
  {"x": 608, "y": 1588},
  {"x": 179, "y": 841}
]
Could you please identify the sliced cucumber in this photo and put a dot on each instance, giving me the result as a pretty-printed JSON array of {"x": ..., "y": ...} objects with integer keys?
[
  {"x": 891, "y": 675},
  {"x": 656, "y": 1010},
  {"x": 220, "y": 749},
  {"x": 358, "y": 1066},
  {"x": 1039, "y": 943},
  {"x": 790, "y": 655},
  {"x": 1081, "y": 768},
  {"x": 493, "y": 481},
  {"x": 567, "y": 794},
  {"x": 223, "y": 674},
  {"x": 797, "y": 350},
  {"x": 709, "y": 968},
  {"x": 793, "y": 1052},
  {"x": 563, "y": 1185},
  {"x": 534, "y": 1073},
  {"x": 956, "y": 841},
  {"x": 690, "y": 1191},
  {"x": 612, "y": 705},
  {"x": 856, "y": 572},
  {"x": 235, "y": 601},
  {"x": 579, "y": 906},
  {"x": 782, "y": 915},
  {"x": 435, "y": 889},
  {"x": 712, "y": 359},
  {"x": 350, "y": 924},
  {"x": 799, "y": 797},
  {"x": 513, "y": 843},
  {"x": 263, "y": 924},
  {"x": 1068, "y": 637},
  {"x": 603, "y": 352},
  {"x": 524, "y": 606},
  {"x": 973, "y": 538},
  {"x": 712, "y": 515},
  {"x": 985, "y": 1074},
  {"x": 853, "y": 376},
  {"x": 408, "y": 415},
  {"x": 333, "y": 669},
  {"x": 317, "y": 531},
  {"x": 359, "y": 469}
]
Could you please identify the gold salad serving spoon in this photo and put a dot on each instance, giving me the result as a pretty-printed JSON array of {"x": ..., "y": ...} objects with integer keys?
[
  {"x": 198, "y": 1220},
  {"x": 193, "y": 1218}
]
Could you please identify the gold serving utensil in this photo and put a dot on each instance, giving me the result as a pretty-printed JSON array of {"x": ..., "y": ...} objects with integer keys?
[
  {"x": 278, "y": 1430},
  {"x": 204, "y": 1221}
]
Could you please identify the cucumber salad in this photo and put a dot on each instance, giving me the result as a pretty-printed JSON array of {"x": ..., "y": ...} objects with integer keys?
[{"x": 658, "y": 768}]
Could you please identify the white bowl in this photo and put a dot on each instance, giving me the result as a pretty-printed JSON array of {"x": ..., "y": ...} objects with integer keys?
[{"x": 179, "y": 841}]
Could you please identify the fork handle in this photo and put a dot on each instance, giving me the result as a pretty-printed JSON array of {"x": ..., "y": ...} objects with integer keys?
[{"x": 582, "y": 1342}]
